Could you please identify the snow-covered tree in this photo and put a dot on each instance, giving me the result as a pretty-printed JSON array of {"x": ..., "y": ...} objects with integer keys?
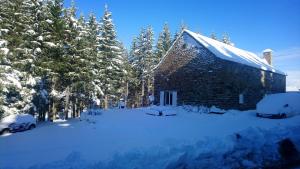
[
  {"x": 17, "y": 56},
  {"x": 226, "y": 39},
  {"x": 92, "y": 50},
  {"x": 213, "y": 36},
  {"x": 143, "y": 62},
  {"x": 133, "y": 50},
  {"x": 177, "y": 33},
  {"x": 132, "y": 69},
  {"x": 112, "y": 70},
  {"x": 163, "y": 44},
  {"x": 52, "y": 62}
]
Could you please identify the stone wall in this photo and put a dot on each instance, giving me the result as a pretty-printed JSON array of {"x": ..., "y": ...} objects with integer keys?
[{"x": 201, "y": 78}]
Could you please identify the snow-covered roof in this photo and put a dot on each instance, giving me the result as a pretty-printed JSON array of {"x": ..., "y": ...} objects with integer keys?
[{"x": 231, "y": 53}]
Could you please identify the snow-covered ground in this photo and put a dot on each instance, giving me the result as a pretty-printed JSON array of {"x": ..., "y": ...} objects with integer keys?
[{"x": 130, "y": 138}]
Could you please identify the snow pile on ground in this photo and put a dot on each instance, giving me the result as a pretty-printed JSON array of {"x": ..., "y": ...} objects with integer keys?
[
  {"x": 288, "y": 103},
  {"x": 90, "y": 115},
  {"x": 214, "y": 109},
  {"x": 250, "y": 148},
  {"x": 130, "y": 138}
]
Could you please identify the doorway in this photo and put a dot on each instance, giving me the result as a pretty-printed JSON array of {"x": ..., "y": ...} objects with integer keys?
[{"x": 168, "y": 98}]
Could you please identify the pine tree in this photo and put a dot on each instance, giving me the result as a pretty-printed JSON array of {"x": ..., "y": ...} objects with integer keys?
[
  {"x": 213, "y": 36},
  {"x": 143, "y": 63},
  {"x": 133, "y": 50},
  {"x": 71, "y": 56},
  {"x": 112, "y": 70},
  {"x": 133, "y": 71},
  {"x": 226, "y": 39},
  {"x": 83, "y": 85},
  {"x": 182, "y": 27},
  {"x": 17, "y": 58},
  {"x": 126, "y": 77},
  {"x": 92, "y": 39},
  {"x": 49, "y": 59},
  {"x": 52, "y": 64},
  {"x": 4, "y": 66},
  {"x": 163, "y": 44}
]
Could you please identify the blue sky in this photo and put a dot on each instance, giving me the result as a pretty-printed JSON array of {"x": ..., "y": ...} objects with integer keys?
[{"x": 251, "y": 24}]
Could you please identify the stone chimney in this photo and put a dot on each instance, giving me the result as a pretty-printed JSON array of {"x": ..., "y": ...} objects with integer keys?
[{"x": 267, "y": 55}]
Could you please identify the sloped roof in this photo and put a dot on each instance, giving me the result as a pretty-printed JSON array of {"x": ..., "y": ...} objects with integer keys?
[{"x": 231, "y": 53}]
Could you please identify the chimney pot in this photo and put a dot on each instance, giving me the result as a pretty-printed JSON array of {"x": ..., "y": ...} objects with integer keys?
[{"x": 267, "y": 55}]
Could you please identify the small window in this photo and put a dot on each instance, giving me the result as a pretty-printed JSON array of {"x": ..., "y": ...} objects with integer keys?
[{"x": 241, "y": 99}]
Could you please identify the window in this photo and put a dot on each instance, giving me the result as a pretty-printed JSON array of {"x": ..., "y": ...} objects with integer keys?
[{"x": 241, "y": 99}]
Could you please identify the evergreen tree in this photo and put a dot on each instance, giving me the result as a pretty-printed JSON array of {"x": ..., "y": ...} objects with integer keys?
[
  {"x": 71, "y": 76},
  {"x": 143, "y": 63},
  {"x": 112, "y": 70},
  {"x": 133, "y": 50},
  {"x": 94, "y": 59},
  {"x": 213, "y": 36},
  {"x": 133, "y": 71},
  {"x": 226, "y": 39},
  {"x": 4, "y": 66},
  {"x": 83, "y": 86},
  {"x": 41, "y": 43},
  {"x": 50, "y": 60},
  {"x": 182, "y": 27},
  {"x": 163, "y": 44},
  {"x": 53, "y": 60},
  {"x": 17, "y": 59},
  {"x": 126, "y": 77}
]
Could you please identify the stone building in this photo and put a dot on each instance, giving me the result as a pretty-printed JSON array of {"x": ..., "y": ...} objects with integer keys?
[{"x": 198, "y": 70}]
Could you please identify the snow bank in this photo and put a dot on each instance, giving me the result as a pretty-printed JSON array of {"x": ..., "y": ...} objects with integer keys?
[
  {"x": 288, "y": 103},
  {"x": 250, "y": 148},
  {"x": 214, "y": 109}
]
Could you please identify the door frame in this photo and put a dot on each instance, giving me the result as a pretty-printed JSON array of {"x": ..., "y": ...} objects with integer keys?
[{"x": 168, "y": 98}]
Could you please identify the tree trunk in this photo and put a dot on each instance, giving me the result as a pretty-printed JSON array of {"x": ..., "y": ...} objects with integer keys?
[
  {"x": 81, "y": 106},
  {"x": 143, "y": 93},
  {"x": 49, "y": 115},
  {"x": 148, "y": 91},
  {"x": 67, "y": 100},
  {"x": 105, "y": 102},
  {"x": 126, "y": 95},
  {"x": 73, "y": 107},
  {"x": 54, "y": 110}
]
